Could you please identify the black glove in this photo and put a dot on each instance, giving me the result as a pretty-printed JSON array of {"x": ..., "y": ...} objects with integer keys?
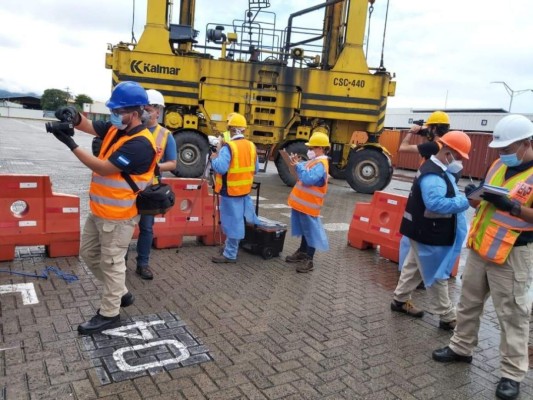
[
  {"x": 470, "y": 188},
  {"x": 501, "y": 202},
  {"x": 65, "y": 138},
  {"x": 68, "y": 113}
]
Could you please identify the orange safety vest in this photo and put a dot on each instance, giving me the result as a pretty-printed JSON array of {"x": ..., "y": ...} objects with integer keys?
[
  {"x": 240, "y": 175},
  {"x": 494, "y": 232},
  {"x": 161, "y": 137},
  {"x": 309, "y": 199},
  {"x": 111, "y": 197}
]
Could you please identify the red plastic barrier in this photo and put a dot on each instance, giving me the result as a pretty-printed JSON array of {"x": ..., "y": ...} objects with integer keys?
[
  {"x": 378, "y": 224},
  {"x": 192, "y": 215},
  {"x": 32, "y": 215}
]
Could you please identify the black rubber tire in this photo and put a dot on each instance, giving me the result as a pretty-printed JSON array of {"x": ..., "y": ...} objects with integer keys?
[
  {"x": 267, "y": 253},
  {"x": 283, "y": 169},
  {"x": 192, "y": 154},
  {"x": 336, "y": 172},
  {"x": 368, "y": 170}
]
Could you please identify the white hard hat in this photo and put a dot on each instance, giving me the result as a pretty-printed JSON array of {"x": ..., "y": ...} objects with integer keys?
[
  {"x": 510, "y": 129},
  {"x": 155, "y": 98}
]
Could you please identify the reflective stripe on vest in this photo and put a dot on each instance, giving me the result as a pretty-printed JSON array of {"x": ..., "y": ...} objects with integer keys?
[
  {"x": 309, "y": 199},
  {"x": 494, "y": 232},
  {"x": 110, "y": 196},
  {"x": 240, "y": 175}
]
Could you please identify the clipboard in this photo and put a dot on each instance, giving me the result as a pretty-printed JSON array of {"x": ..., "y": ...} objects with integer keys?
[
  {"x": 476, "y": 194},
  {"x": 285, "y": 157}
]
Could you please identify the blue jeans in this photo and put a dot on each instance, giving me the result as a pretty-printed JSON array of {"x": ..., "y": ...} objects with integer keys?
[{"x": 146, "y": 237}]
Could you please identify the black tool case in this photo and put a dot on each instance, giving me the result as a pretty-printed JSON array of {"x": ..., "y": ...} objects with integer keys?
[{"x": 265, "y": 239}]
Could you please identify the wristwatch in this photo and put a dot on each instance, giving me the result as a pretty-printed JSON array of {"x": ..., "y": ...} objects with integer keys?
[{"x": 516, "y": 210}]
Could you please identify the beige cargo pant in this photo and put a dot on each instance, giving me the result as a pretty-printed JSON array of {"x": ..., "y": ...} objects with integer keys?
[
  {"x": 410, "y": 278},
  {"x": 104, "y": 244},
  {"x": 508, "y": 284}
]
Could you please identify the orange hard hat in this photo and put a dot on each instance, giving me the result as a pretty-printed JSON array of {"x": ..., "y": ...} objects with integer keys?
[{"x": 457, "y": 140}]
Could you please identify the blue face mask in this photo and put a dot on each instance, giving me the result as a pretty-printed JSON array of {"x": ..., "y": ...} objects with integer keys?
[
  {"x": 116, "y": 120},
  {"x": 511, "y": 160}
]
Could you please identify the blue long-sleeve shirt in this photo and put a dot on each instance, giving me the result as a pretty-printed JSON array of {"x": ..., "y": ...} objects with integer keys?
[
  {"x": 222, "y": 162},
  {"x": 434, "y": 193},
  {"x": 315, "y": 176}
]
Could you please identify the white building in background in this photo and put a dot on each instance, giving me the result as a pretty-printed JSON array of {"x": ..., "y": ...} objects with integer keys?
[{"x": 472, "y": 120}]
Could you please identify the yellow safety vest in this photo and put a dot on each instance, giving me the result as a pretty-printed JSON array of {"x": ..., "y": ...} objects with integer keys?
[
  {"x": 111, "y": 197},
  {"x": 309, "y": 199},
  {"x": 240, "y": 175},
  {"x": 161, "y": 137},
  {"x": 494, "y": 232}
]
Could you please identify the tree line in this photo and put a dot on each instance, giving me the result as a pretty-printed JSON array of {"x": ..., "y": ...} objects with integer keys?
[{"x": 52, "y": 99}]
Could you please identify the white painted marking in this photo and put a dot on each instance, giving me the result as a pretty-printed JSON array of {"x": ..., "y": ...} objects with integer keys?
[
  {"x": 384, "y": 230},
  {"x": 9, "y": 348},
  {"x": 123, "y": 365},
  {"x": 27, "y": 291},
  {"x": 261, "y": 198},
  {"x": 286, "y": 215},
  {"x": 337, "y": 227},
  {"x": 27, "y": 223},
  {"x": 275, "y": 206},
  {"x": 71, "y": 210},
  {"x": 160, "y": 219},
  {"x": 28, "y": 185},
  {"x": 140, "y": 325}
]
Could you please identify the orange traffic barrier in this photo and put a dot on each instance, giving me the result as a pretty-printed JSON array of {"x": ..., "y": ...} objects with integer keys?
[
  {"x": 32, "y": 215},
  {"x": 192, "y": 215},
  {"x": 378, "y": 224}
]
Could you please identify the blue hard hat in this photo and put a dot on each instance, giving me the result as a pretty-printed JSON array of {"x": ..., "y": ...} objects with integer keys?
[{"x": 127, "y": 94}]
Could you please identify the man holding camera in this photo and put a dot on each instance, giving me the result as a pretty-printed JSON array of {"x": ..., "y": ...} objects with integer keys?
[
  {"x": 235, "y": 164},
  {"x": 166, "y": 158},
  {"x": 437, "y": 125},
  {"x": 127, "y": 147}
]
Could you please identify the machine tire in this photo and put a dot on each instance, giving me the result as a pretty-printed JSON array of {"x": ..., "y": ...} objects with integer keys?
[
  {"x": 267, "y": 253},
  {"x": 192, "y": 153},
  {"x": 368, "y": 170},
  {"x": 336, "y": 172},
  {"x": 283, "y": 169}
]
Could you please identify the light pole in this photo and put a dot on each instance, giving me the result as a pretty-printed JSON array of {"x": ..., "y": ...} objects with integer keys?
[{"x": 512, "y": 92}]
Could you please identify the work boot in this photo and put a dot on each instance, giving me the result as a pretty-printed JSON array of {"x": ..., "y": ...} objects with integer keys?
[
  {"x": 406, "y": 308},
  {"x": 421, "y": 286},
  {"x": 98, "y": 323},
  {"x": 222, "y": 259},
  {"x": 446, "y": 354},
  {"x": 507, "y": 389},
  {"x": 447, "y": 326},
  {"x": 297, "y": 256},
  {"x": 144, "y": 272},
  {"x": 127, "y": 300},
  {"x": 305, "y": 267}
]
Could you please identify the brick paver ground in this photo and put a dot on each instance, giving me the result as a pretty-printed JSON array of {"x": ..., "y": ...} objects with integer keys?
[{"x": 253, "y": 330}]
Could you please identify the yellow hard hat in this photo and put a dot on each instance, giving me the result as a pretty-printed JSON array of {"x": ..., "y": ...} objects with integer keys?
[
  {"x": 318, "y": 139},
  {"x": 237, "y": 121},
  {"x": 229, "y": 116},
  {"x": 438, "y": 117}
]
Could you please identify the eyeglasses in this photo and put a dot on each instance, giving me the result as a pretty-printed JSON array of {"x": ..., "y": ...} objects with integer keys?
[{"x": 121, "y": 111}]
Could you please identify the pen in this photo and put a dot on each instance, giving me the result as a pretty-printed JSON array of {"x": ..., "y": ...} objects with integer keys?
[{"x": 471, "y": 181}]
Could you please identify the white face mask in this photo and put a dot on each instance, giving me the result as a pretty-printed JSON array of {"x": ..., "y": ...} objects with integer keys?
[
  {"x": 455, "y": 166},
  {"x": 311, "y": 154}
]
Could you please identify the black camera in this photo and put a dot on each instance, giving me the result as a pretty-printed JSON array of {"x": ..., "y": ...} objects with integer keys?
[
  {"x": 419, "y": 122},
  {"x": 65, "y": 124}
]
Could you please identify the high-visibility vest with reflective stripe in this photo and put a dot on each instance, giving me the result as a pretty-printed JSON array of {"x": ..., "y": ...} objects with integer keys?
[
  {"x": 161, "y": 137},
  {"x": 309, "y": 199},
  {"x": 494, "y": 232},
  {"x": 240, "y": 175},
  {"x": 111, "y": 197}
]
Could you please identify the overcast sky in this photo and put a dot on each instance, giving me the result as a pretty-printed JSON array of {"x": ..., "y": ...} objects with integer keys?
[{"x": 444, "y": 53}]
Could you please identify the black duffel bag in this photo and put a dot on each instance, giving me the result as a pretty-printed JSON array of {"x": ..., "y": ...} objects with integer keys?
[{"x": 155, "y": 199}]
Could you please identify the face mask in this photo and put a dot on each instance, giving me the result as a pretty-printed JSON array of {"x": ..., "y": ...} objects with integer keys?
[
  {"x": 455, "y": 166},
  {"x": 511, "y": 160},
  {"x": 116, "y": 120},
  {"x": 311, "y": 154}
]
